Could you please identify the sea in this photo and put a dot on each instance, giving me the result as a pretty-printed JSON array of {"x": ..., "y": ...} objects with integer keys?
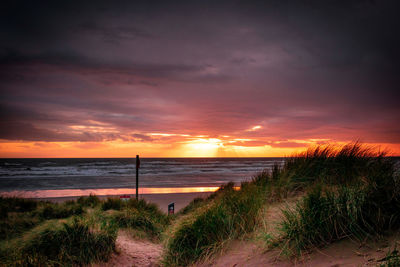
[{"x": 60, "y": 177}]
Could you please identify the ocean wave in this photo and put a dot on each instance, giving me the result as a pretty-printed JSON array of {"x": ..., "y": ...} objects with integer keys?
[{"x": 85, "y": 173}]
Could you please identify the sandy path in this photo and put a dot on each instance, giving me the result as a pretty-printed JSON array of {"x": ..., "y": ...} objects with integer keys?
[{"x": 133, "y": 252}]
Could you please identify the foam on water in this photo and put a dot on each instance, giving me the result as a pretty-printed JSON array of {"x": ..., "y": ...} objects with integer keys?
[{"x": 46, "y": 174}]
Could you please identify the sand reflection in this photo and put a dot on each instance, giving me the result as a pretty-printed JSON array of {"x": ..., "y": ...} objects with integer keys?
[{"x": 105, "y": 192}]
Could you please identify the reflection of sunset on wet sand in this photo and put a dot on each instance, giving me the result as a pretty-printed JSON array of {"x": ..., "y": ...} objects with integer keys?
[{"x": 105, "y": 192}]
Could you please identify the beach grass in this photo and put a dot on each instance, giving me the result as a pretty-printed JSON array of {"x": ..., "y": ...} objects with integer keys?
[
  {"x": 61, "y": 243},
  {"x": 392, "y": 258},
  {"x": 223, "y": 216},
  {"x": 350, "y": 192},
  {"x": 38, "y": 233},
  {"x": 137, "y": 215},
  {"x": 89, "y": 201}
]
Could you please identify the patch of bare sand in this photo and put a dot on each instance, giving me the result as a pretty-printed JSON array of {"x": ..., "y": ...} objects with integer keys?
[
  {"x": 132, "y": 252},
  {"x": 343, "y": 253}
]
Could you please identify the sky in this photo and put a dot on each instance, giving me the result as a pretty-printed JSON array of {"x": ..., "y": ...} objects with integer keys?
[{"x": 197, "y": 78}]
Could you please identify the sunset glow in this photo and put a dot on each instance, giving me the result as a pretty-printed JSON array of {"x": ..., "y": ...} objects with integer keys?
[
  {"x": 105, "y": 192},
  {"x": 238, "y": 79}
]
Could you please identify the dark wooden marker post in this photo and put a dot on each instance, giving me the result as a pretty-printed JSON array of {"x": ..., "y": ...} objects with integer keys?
[{"x": 137, "y": 176}]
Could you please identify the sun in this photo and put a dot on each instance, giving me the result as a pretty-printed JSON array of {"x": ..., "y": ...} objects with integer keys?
[{"x": 202, "y": 147}]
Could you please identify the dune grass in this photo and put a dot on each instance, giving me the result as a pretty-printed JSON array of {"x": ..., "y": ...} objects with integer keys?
[
  {"x": 20, "y": 215},
  {"x": 89, "y": 201},
  {"x": 60, "y": 243},
  {"x": 138, "y": 215},
  {"x": 351, "y": 192},
  {"x": 332, "y": 165},
  {"x": 392, "y": 259},
  {"x": 49, "y": 211},
  {"x": 225, "y": 215},
  {"x": 37, "y": 233}
]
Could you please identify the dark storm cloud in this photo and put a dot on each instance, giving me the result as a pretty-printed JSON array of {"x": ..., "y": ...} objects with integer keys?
[{"x": 303, "y": 69}]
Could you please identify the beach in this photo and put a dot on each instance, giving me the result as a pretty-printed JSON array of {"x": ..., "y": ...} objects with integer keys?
[{"x": 161, "y": 180}]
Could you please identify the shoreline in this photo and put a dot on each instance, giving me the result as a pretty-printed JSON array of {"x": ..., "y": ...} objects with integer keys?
[{"x": 53, "y": 193}]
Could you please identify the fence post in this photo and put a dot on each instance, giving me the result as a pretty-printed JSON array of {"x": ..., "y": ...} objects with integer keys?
[{"x": 137, "y": 176}]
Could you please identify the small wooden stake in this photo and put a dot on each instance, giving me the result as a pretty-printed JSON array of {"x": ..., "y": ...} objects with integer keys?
[{"x": 137, "y": 176}]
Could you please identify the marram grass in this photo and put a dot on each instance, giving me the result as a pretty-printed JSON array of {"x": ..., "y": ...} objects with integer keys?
[
  {"x": 36, "y": 233},
  {"x": 230, "y": 214},
  {"x": 351, "y": 192}
]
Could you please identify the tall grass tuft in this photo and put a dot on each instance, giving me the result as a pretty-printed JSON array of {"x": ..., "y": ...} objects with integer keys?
[
  {"x": 112, "y": 204},
  {"x": 355, "y": 194},
  {"x": 58, "y": 211},
  {"x": 74, "y": 232},
  {"x": 331, "y": 165},
  {"x": 14, "y": 204},
  {"x": 392, "y": 259},
  {"x": 323, "y": 217},
  {"x": 138, "y": 215},
  {"x": 231, "y": 214},
  {"x": 192, "y": 206},
  {"x": 20, "y": 215},
  {"x": 73, "y": 243},
  {"x": 90, "y": 201}
]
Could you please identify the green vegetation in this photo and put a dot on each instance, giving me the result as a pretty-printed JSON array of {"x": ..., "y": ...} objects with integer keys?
[
  {"x": 323, "y": 217},
  {"x": 49, "y": 211},
  {"x": 225, "y": 215},
  {"x": 352, "y": 192},
  {"x": 138, "y": 215},
  {"x": 112, "y": 204},
  {"x": 342, "y": 192},
  {"x": 90, "y": 201},
  {"x": 392, "y": 259},
  {"x": 36, "y": 233},
  {"x": 57, "y": 243}
]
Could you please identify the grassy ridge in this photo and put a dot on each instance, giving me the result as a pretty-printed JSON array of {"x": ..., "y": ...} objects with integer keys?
[
  {"x": 36, "y": 233},
  {"x": 57, "y": 243},
  {"x": 351, "y": 192},
  {"x": 207, "y": 224}
]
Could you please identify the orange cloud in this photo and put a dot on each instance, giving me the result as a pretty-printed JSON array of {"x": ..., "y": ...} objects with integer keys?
[{"x": 175, "y": 146}]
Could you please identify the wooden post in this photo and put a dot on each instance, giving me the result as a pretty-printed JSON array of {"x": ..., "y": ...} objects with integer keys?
[{"x": 137, "y": 176}]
